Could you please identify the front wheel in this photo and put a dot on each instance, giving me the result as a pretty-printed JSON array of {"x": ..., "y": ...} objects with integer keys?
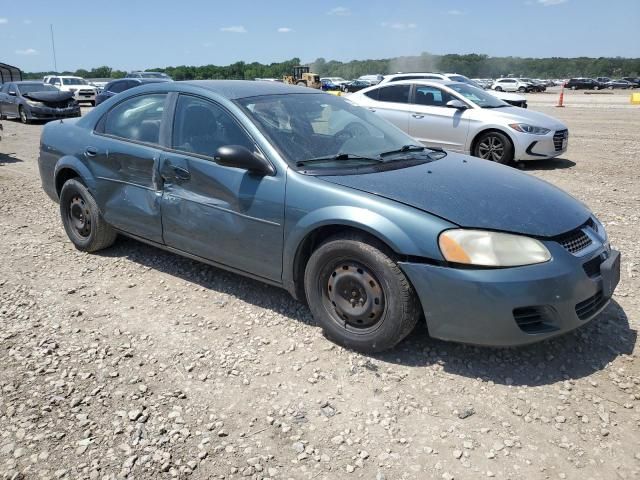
[
  {"x": 494, "y": 146},
  {"x": 23, "y": 115},
  {"x": 359, "y": 295},
  {"x": 498, "y": 89},
  {"x": 82, "y": 219},
  {"x": 522, "y": 89}
]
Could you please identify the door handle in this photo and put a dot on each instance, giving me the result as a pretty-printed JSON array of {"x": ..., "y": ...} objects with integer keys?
[
  {"x": 91, "y": 151},
  {"x": 417, "y": 115},
  {"x": 181, "y": 173}
]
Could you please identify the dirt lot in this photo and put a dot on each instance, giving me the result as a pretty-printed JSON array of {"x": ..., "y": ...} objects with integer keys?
[{"x": 138, "y": 363}]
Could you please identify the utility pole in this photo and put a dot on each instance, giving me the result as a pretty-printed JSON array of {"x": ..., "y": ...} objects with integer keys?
[{"x": 53, "y": 47}]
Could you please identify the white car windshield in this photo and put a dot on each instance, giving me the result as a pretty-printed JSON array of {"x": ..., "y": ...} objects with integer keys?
[{"x": 478, "y": 96}]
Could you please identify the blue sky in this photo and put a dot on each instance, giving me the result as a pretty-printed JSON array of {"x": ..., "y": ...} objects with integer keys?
[{"x": 138, "y": 34}]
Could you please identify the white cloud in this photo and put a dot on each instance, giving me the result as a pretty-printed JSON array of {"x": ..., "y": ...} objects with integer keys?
[
  {"x": 285, "y": 30},
  {"x": 548, "y": 3},
  {"x": 27, "y": 21},
  {"x": 339, "y": 12},
  {"x": 399, "y": 25},
  {"x": 455, "y": 12},
  {"x": 234, "y": 29},
  {"x": 27, "y": 51},
  {"x": 4, "y": 20}
]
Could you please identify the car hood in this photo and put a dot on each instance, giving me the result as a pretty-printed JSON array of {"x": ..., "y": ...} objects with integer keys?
[
  {"x": 514, "y": 97},
  {"x": 48, "y": 96},
  {"x": 475, "y": 193},
  {"x": 521, "y": 115}
]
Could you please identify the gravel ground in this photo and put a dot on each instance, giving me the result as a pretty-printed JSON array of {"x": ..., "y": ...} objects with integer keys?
[{"x": 136, "y": 363}]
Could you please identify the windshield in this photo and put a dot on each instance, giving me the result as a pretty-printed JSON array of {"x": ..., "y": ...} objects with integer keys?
[
  {"x": 73, "y": 81},
  {"x": 322, "y": 127},
  {"x": 154, "y": 75},
  {"x": 478, "y": 96},
  {"x": 35, "y": 87},
  {"x": 463, "y": 79}
]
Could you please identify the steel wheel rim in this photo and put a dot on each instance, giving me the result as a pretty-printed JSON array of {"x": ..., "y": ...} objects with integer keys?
[
  {"x": 354, "y": 296},
  {"x": 80, "y": 216},
  {"x": 23, "y": 116},
  {"x": 491, "y": 148}
]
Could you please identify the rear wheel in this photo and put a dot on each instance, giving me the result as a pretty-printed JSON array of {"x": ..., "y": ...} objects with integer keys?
[
  {"x": 494, "y": 146},
  {"x": 23, "y": 115},
  {"x": 82, "y": 219},
  {"x": 498, "y": 89},
  {"x": 359, "y": 295},
  {"x": 522, "y": 89}
]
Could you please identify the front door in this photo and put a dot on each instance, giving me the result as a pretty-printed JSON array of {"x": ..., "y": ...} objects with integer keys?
[
  {"x": 223, "y": 214},
  {"x": 435, "y": 124},
  {"x": 123, "y": 156},
  {"x": 391, "y": 104}
]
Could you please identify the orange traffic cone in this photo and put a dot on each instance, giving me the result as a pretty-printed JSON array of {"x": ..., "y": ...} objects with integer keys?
[{"x": 561, "y": 99}]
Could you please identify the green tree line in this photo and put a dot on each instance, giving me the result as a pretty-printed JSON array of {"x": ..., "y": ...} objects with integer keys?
[{"x": 471, "y": 65}]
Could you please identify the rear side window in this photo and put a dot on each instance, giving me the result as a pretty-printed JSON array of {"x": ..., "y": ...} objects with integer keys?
[
  {"x": 395, "y": 94},
  {"x": 201, "y": 127},
  {"x": 137, "y": 118}
]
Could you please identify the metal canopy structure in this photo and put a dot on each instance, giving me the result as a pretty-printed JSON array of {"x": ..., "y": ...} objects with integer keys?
[{"x": 9, "y": 73}]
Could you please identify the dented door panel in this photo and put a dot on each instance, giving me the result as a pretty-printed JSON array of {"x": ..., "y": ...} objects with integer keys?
[
  {"x": 223, "y": 214},
  {"x": 127, "y": 188}
]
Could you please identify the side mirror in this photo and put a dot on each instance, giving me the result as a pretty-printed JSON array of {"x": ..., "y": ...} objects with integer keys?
[
  {"x": 13, "y": 94},
  {"x": 237, "y": 156},
  {"x": 457, "y": 104}
]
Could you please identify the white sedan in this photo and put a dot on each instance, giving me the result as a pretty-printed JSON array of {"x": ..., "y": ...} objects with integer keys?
[{"x": 463, "y": 118}]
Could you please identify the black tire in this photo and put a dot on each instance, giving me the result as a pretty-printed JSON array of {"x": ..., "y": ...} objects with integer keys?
[
  {"x": 522, "y": 89},
  {"x": 494, "y": 146},
  {"x": 498, "y": 89},
  {"x": 22, "y": 115},
  {"x": 383, "y": 311},
  {"x": 82, "y": 219},
  {"x": 573, "y": 87}
]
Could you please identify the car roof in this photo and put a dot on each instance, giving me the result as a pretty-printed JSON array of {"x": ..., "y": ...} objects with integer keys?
[
  {"x": 234, "y": 89},
  {"x": 429, "y": 81},
  {"x": 24, "y": 82}
]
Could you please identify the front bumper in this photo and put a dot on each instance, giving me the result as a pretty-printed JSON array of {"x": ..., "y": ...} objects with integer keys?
[
  {"x": 81, "y": 96},
  {"x": 495, "y": 307},
  {"x": 540, "y": 147},
  {"x": 44, "y": 113}
]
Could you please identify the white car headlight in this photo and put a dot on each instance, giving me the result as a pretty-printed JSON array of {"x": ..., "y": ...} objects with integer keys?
[
  {"x": 491, "y": 249},
  {"x": 525, "y": 128},
  {"x": 32, "y": 103}
]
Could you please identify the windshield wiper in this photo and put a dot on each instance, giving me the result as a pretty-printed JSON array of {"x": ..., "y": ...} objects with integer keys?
[
  {"x": 403, "y": 149},
  {"x": 339, "y": 156},
  {"x": 497, "y": 106}
]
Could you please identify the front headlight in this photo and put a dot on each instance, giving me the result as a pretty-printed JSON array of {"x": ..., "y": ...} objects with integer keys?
[
  {"x": 491, "y": 249},
  {"x": 73, "y": 90},
  {"x": 525, "y": 128},
  {"x": 32, "y": 103}
]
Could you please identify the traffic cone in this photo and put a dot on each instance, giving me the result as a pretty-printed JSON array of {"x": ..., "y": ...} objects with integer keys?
[{"x": 561, "y": 99}]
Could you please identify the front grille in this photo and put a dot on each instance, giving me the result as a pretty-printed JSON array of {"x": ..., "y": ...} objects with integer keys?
[
  {"x": 63, "y": 104},
  {"x": 574, "y": 241},
  {"x": 86, "y": 92},
  {"x": 534, "y": 319},
  {"x": 592, "y": 267},
  {"x": 590, "y": 306},
  {"x": 558, "y": 139}
]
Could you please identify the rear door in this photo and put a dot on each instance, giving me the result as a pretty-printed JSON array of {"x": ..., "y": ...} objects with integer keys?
[
  {"x": 11, "y": 107},
  {"x": 223, "y": 214},
  {"x": 391, "y": 102},
  {"x": 433, "y": 123},
  {"x": 123, "y": 156}
]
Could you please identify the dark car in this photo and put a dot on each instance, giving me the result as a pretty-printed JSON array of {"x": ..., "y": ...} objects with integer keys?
[
  {"x": 31, "y": 101},
  {"x": 116, "y": 86},
  {"x": 328, "y": 85},
  {"x": 635, "y": 81},
  {"x": 309, "y": 192},
  {"x": 536, "y": 85},
  {"x": 583, "y": 84},
  {"x": 622, "y": 84},
  {"x": 355, "y": 85}
]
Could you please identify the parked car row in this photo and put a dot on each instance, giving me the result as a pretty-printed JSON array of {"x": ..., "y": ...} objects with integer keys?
[{"x": 599, "y": 83}]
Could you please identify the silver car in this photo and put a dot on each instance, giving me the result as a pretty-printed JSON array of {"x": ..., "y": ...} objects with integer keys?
[{"x": 463, "y": 118}]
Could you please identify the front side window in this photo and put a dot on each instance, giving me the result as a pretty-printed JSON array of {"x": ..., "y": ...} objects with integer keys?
[
  {"x": 201, "y": 127},
  {"x": 137, "y": 118},
  {"x": 117, "y": 87},
  {"x": 432, "y": 96},
  {"x": 477, "y": 96},
  {"x": 395, "y": 94}
]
